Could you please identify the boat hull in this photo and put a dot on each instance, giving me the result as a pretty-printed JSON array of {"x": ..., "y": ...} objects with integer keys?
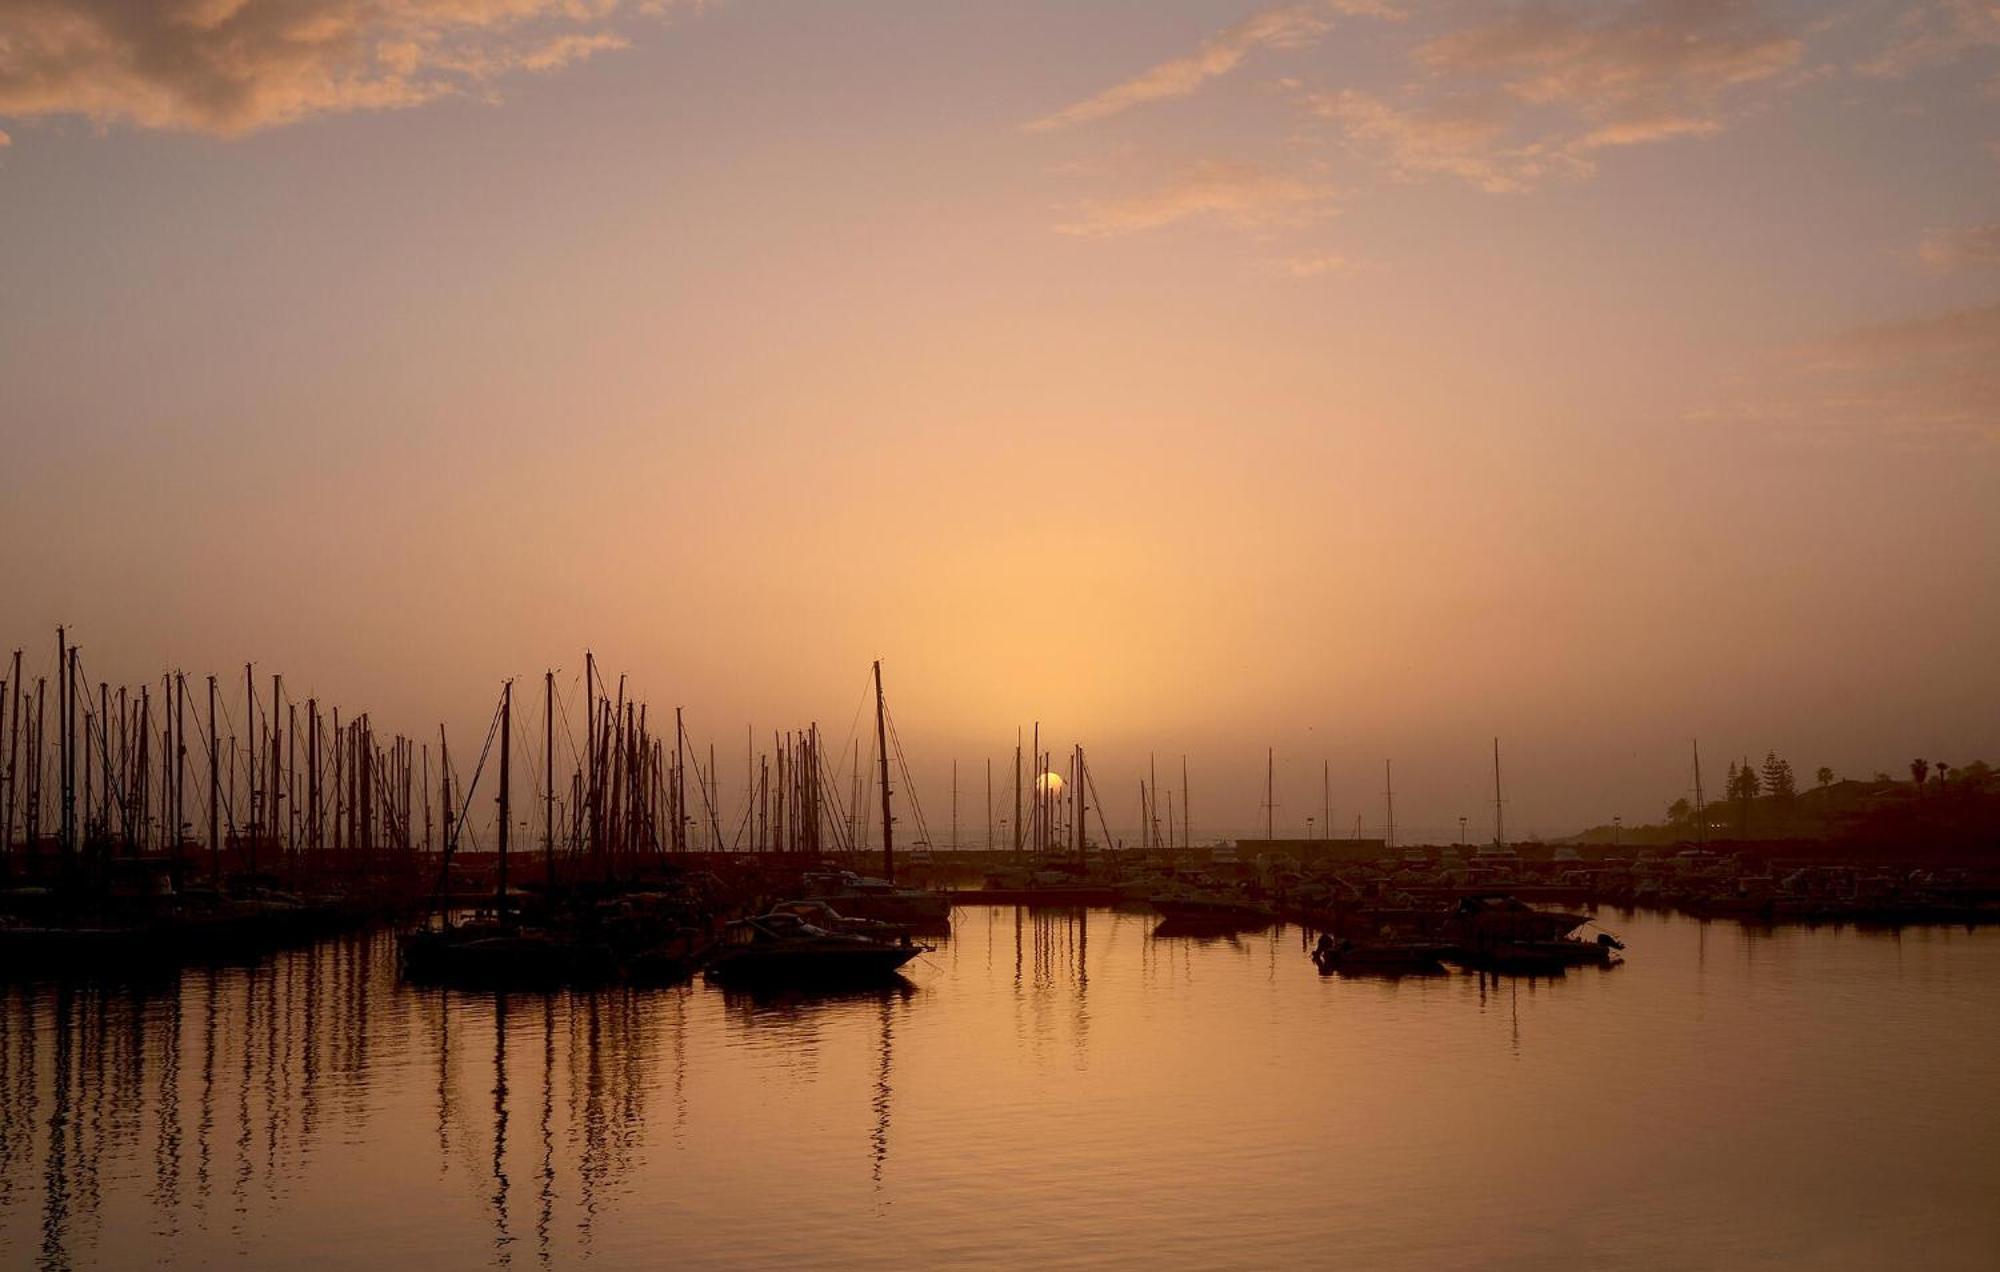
[{"x": 810, "y": 964}]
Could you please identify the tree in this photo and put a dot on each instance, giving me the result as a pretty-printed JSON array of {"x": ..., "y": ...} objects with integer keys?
[
  {"x": 1778, "y": 782},
  {"x": 1744, "y": 782},
  {"x": 1919, "y": 770},
  {"x": 1825, "y": 775},
  {"x": 1680, "y": 813}
]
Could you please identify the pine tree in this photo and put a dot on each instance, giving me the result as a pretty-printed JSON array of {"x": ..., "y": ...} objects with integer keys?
[{"x": 1778, "y": 781}]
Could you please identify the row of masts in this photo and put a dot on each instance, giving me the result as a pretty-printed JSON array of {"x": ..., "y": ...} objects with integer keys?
[
  {"x": 91, "y": 772},
  {"x": 126, "y": 768},
  {"x": 133, "y": 769}
]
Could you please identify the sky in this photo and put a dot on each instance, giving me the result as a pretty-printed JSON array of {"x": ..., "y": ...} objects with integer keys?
[{"x": 1358, "y": 380}]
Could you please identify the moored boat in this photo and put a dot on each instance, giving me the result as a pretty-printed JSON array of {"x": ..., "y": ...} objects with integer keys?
[
  {"x": 1388, "y": 958},
  {"x": 783, "y": 948}
]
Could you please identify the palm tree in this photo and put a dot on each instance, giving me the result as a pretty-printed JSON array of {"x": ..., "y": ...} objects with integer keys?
[{"x": 1919, "y": 770}]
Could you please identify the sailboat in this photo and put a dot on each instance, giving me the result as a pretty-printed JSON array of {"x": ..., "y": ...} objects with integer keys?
[{"x": 787, "y": 946}]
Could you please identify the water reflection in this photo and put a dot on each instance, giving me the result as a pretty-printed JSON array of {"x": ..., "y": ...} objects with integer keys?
[
  {"x": 225, "y": 1084},
  {"x": 312, "y": 1109}
]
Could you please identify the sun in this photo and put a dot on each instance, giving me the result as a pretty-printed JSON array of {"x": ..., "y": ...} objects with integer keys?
[{"x": 1049, "y": 784}]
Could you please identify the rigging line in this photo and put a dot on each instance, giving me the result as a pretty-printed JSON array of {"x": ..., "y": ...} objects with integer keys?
[
  {"x": 909, "y": 783},
  {"x": 458, "y": 822},
  {"x": 1096, "y": 803}
]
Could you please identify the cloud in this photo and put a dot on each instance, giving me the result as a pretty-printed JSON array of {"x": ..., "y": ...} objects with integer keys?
[
  {"x": 1460, "y": 136},
  {"x": 230, "y": 67},
  {"x": 1957, "y": 249},
  {"x": 1283, "y": 27},
  {"x": 1503, "y": 105},
  {"x": 1313, "y": 266},
  {"x": 1642, "y": 72},
  {"x": 1239, "y": 194},
  {"x": 1931, "y": 382},
  {"x": 1935, "y": 33}
]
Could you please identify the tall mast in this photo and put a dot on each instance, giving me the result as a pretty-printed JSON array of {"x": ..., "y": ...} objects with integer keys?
[
  {"x": 1017, "y": 791},
  {"x": 250, "y": 820},
  {"x": 506, "y": 808},
  {"x": 445, "y": 818},
  {"x": 1270, "y": 792},
  {"x": 1499, "y": 818},
  {"x": 548, "y": 777},
  {"x": 954, "y": 805},
  {"x": 1326, "y": 798},
  {"x": 1041, "y": 794},
  {"x": 1187, "y": 828},
  {"x": 680, "y": 785},
  {"x": 989, "y": 803},
  {"x": 274, "y": 780},
  {"x": 180, "y": 759},
  {"x": 1700, "y": 813},
  {"x": 882, "y": 745},
  {"x": 1078, "y": 808},
  {"x": 1389, "y": 791},
  {"x": 1152, "y": 827},
  {"x": 214, "y": 795},
  {"x": 65, "y": 725},
  {"x": 13, "y": 761},
  {"x": 590, "y": 746},
  {"x": 312, "y": 775}
]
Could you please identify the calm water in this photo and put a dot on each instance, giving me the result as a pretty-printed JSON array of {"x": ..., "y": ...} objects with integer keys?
[{"x": 1061, "y": 1088}]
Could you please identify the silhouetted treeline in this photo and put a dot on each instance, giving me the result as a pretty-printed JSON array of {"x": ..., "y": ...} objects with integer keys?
[{"x": 1935, "y": 808}]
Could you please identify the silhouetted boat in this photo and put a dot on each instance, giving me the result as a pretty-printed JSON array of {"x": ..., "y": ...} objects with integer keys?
[
  {"x": 503, "y": 955},
  {"x": 1503, "y": 934},
  {"x": 860, "y": 897},
  {"x": 1398, "y": 958},
  {"x": 782, "y": 948},
  {"x": 1218, "y": 910}
]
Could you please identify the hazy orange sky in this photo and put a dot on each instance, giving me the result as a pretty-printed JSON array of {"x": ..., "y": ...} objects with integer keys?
[{"x": 1356, "y": 378}]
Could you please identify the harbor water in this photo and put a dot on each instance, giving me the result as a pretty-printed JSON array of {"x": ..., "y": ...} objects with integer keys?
[{"x": 1052, "y": 1089}]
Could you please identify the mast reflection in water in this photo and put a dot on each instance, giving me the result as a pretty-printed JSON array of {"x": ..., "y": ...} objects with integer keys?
[{"x": 1064, "y": 1086}]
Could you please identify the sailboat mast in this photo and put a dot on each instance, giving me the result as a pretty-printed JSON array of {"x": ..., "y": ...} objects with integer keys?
[
  {"x": 882, "y": 746},
  {"x": 1499, "y": 817},
  {"x": 65, "y": 724},
  {"x": 680, "y": 784},
  {"x": 1389, "y": 793},
  {"x": 214, "y": 795},
  {"x": 1270, "y": 792},
  {"x": 506, "y": 807},
  {"x": 1700, "y": 813},
  {"x": 548, "y": 778},
  {"x": 1187, "y": 827},
  {"x": 1017, "y": 791},
  {"x": 1041, "y": 791},
  {"x": 1080, "y": 807}
]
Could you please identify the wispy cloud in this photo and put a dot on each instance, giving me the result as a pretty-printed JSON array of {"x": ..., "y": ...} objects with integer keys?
[
  {"x": 1314, "y": 266},
  {"x": 1961, "y": 248},
  {"x": 231, "y": 67},
  {"x": 1934, "y": 33},
  {"x": 1282, "y": 27},
  {"x": 1244, "y": 195},
  {"x": 1931, "y": 382},
  {"x": 1459, "y": 135}
]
